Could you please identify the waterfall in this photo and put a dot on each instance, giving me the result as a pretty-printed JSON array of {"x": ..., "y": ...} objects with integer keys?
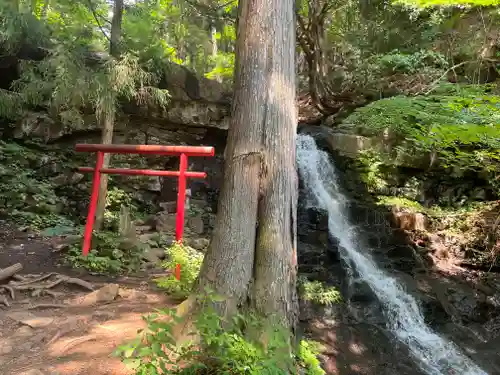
[{"x": 434, "y": 354}]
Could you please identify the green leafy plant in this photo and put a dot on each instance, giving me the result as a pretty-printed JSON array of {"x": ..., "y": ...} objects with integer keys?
[
  {"x": 410, "y": 63},
  {"x": 26, "y": 197},
  {"x": 190, "y": 262},
  {"x": 370, "y": 164},
  {"x": 110, "y": 254},
  {"x": 225, "y": 346},
  {"x": 308, "y": 357},
  {"x": 457, "y": 125},
  {"x": 317, "y": 292}
]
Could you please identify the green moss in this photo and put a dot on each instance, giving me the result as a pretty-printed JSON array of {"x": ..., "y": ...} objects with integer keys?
[
  {"x": 401, "y": 202},
  {"x": 459, "y": 126}
]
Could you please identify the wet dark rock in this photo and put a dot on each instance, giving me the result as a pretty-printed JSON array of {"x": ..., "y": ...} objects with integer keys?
[
  {"x": 360, "y": 291},
  {"x": 317, "y": 219}
]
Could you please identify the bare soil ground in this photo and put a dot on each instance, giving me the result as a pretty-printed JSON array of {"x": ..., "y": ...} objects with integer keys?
[{"x": 72, "y": 330}]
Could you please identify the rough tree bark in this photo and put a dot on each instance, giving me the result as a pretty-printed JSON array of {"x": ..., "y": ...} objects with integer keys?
[
  {"x": 108, "y": 120},
  {"x": 252, "y": 258}
]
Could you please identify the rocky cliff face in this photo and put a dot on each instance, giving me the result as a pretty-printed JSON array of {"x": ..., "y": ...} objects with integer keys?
[
  {"x": 198, "y": 114},
  {"x": 457, "y": 302}
]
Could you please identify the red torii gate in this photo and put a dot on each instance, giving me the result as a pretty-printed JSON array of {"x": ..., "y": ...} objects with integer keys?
[{"x": 182, "y": 151}]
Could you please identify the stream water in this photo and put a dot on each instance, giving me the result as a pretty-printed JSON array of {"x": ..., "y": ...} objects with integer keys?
[{"x": 434, "y": 354}]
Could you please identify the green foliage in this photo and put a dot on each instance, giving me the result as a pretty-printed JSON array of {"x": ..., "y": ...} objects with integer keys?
[
  {"x": 117, "y": 197},
  {"x": 408, "y": 63},
  {"x": 77, "y": 74},
  {"x": 401, "y": 202},
  {"x": 190, "y": 261},
  {"x": 227, "y": 346},
  {"x": 110, "y": 253},
  {"x": 438, "y": 115},
  {"x": 26, "y": 197},
  {"x": 370, "y": 164},
  {"x": 308, "y": 355},
  {"x": 462, "y": 129},
  {"x": 18, "y": 26},
  {"x": 317, "y": 292},
  {"x": 448, "y": 3},
  {"x": 63, "y": 83}
]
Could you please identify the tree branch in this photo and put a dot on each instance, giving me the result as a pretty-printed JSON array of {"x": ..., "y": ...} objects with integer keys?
[
  {"x": 303, "y": 37},
  {"x": 434, "y": 84},
  {"x": 91, "y": 7}
]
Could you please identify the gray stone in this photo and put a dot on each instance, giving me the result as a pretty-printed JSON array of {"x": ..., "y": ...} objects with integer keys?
[
  {"x": 68, "y": 179},
  {"x": 5, "y": 348},
  {"x": 143, "y": 228},
  {"x": 148, "y": 237},
  {"x": 105, "y": 294},
  {"x": 29, "y": 319},
  {"x": 196, "y": 224},
  {"x": 154, "y": 255},
  {"x": 200, "y": 244},
  {"x": 169, "y": 207},
  {"x": 350, "y": 145},
  {"x": 164, "y": 222}
]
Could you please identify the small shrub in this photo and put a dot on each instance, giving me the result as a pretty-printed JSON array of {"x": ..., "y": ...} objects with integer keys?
[
  {"x": 317, "y": 292},
  {"x": 110, "y": 254},
  {"x": 226, "y": 347},
  {"x": 115, "y": 199},
  {"x": 370, "y": 164},
  {"x": 190, "y": 261},
  {"x": 308, "y": 357}
]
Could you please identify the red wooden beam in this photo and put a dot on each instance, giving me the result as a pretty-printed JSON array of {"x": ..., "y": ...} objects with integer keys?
[
  {"x": 146, "y": 149},
  {"x": 89, "y": 226},
  {"x": 143, "y": 172},
  {"x": 182, "y": 151},
  {"x": 181, "y": 198}
]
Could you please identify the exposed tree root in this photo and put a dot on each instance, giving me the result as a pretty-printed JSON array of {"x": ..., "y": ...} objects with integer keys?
[
  {"x": 47, "y": 306},
  {"x": 10, "y": 290},
  {"x": 7, "y": 273},
  {"x": 184, "y": 330},
  {"x": 36, "y": 284}
]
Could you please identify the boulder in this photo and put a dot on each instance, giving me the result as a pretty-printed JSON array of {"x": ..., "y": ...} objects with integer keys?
[
  {"x": 154, "y": 255},
  {"x": 200, "y": 244},
  {"x": 105, "y": 294},
  {"x": 164, "y": 222},
  {"x": 169, "y": 207},
  {"x": 411, "y": 221},
  {"x": 196, "y": 224},
  {"x": 349, "y": 144}
]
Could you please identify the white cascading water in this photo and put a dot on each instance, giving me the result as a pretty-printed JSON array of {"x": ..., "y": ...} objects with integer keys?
[{"x": 434, "y": 354}]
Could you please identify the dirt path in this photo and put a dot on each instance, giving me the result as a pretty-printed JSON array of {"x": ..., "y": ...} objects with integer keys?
[{"x": 79, "y": 337}]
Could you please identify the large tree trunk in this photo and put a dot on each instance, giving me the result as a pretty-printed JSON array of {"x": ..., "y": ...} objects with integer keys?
[
  {"x": 275, "y": 255},
  {"x": 108, "y": 120},
  {"x": 116, "y": 28},
  {"x": 251, "y": 259},
  {"x": 106, "y": 138}
]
